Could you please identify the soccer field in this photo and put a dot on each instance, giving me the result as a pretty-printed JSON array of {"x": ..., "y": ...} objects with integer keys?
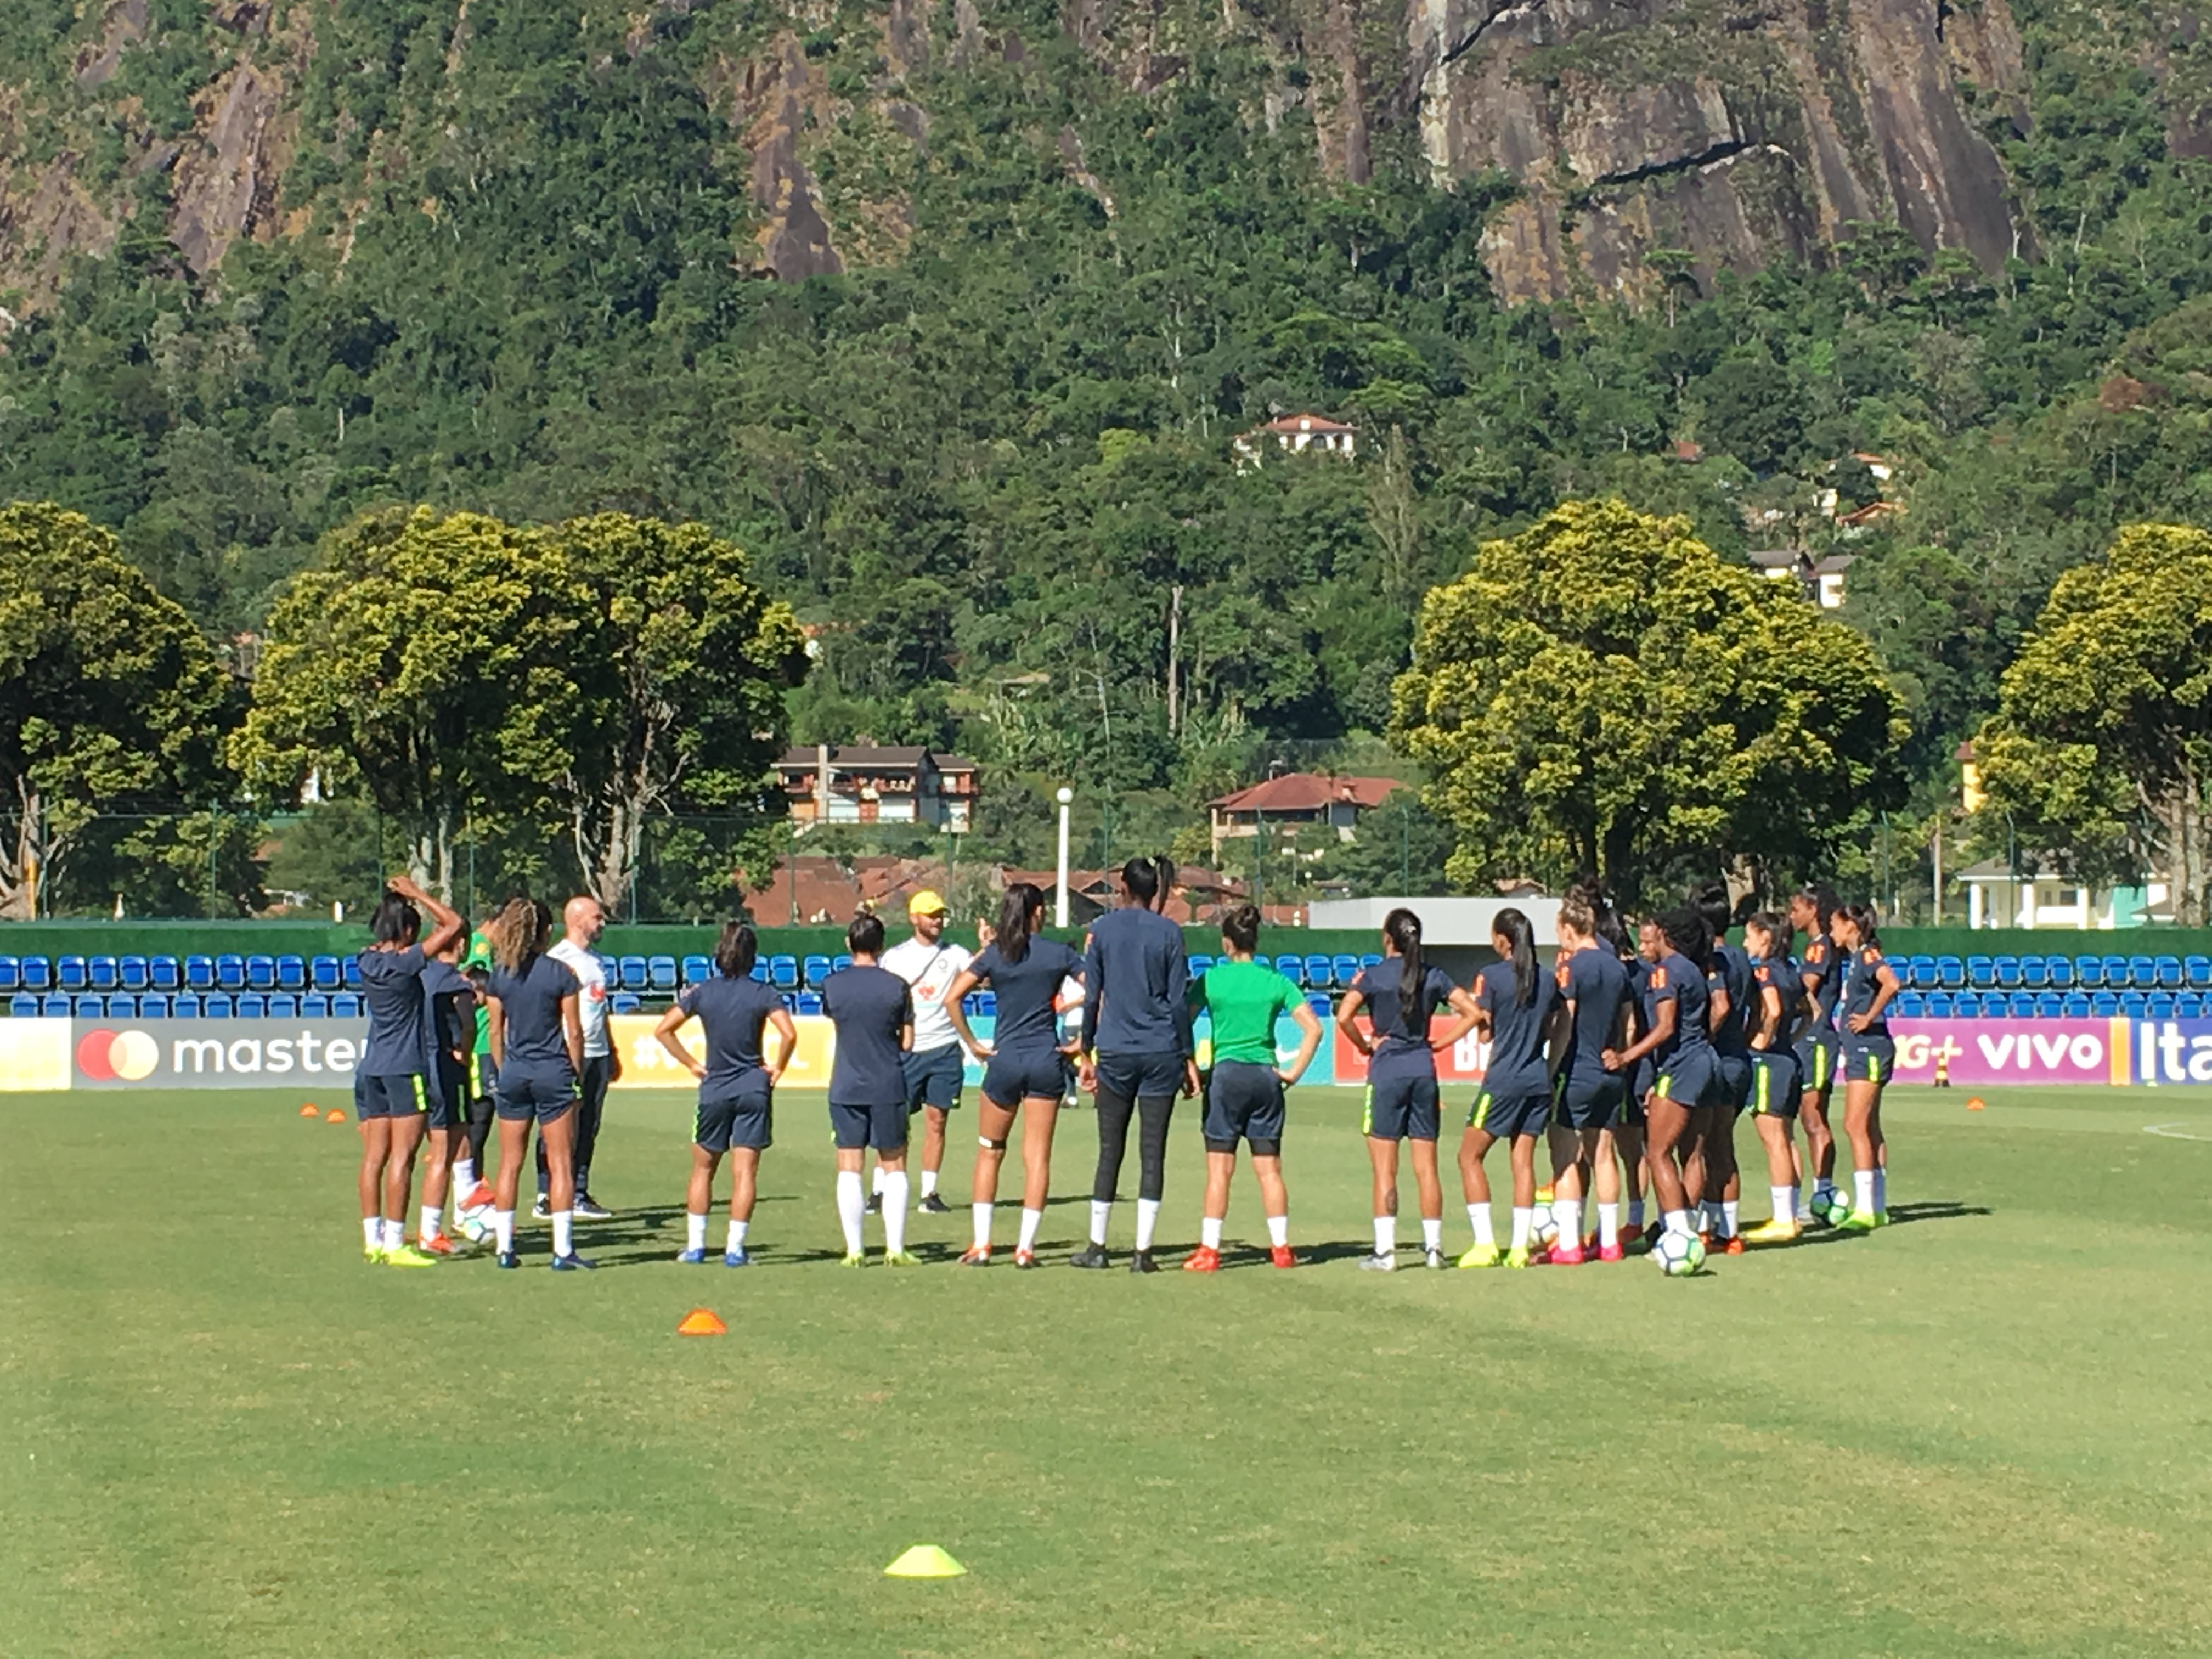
[{"x": 1983, "y": 1431}]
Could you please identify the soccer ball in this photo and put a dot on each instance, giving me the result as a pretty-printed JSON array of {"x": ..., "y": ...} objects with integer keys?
[
  {"x": 476, "y": 1224},
  {"x": 1832, "y": 1209},
  {"x": 1678, "y": 1254},
  {"x": 1543, "y": 1232}
]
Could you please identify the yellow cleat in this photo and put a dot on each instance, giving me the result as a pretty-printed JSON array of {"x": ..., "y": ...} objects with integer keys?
[
  {"x": 901, "y": 1259},
  {"x": 1481, "y": 1256},
  {"x": 1516, "y": 1258},
  {"x": 1781, "y": 1229}
]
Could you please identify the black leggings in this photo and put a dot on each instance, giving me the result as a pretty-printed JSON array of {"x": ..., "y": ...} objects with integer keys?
[{"x": 1154, "y": 1113}]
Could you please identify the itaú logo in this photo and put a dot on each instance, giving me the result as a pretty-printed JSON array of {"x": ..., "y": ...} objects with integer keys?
[{"x": 108, "y": 1056}]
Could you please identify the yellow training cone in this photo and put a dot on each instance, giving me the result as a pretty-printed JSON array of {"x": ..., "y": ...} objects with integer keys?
[{"x": 925, "y": 1561}]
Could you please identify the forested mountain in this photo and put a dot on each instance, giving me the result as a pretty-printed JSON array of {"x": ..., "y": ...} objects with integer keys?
[{"x": 950, "y": 313}]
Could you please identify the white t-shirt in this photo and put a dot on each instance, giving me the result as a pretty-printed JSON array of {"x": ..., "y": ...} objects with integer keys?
[
  {"x": 930, "y": 969},
  {"x": 591, "y": 998}
]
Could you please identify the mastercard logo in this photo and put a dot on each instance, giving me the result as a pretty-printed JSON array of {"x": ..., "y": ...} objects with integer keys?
[{"x": 107, "y": 1057}]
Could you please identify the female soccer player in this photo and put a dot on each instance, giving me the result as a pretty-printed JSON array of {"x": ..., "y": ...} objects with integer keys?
[
  {"x": 736, "y": 1086},
  {"x": 1812, "y": 911},
  {"x": 1868, "y": 1059},
  {"x": 1403, "y": 991},
  {"x": 1676, "y": 1042},
  {"x": 1729, "y": 983},
  {"x": 1595, "y": 988},
  {"x": 872, "y": 1012},
  {"x": 1515, "y": 1000},
  {"x": 1774, "y": 1092},
  {"x": 392, "y": 1093},
  {"x": 449, "y": 1025},
  {"x": 538, "y": 1046},
  {"x": 1244, "y": 1092},
  {"x": 1025, "y": 1063}
]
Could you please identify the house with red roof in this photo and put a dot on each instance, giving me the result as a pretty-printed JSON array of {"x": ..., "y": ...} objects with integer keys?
[
  {"x": 1296, "y": 435},
  {"x": 1297, "y": 798}
]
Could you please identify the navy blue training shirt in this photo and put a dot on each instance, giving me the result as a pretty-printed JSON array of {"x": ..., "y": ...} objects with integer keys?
[
  {"x": 1397, "y": 1052},
  {"x": 734, "y": 1014},
  {"x": 392, "y": 986},
  {"x": 535, "y": 1037},
  {"x": 1821, "y": 972},
  {"x": 1597, "y": 984},
  {"x": 1134, "y": 977},
  {"x": 1861, "y": 978},
  {"x": 871, "y": 1006},
  {"x": 1026, "y": 989},
  {"x": 1516, "y": 1067},
  {"x": 444, "y": 1026},
  {"x": 1674, "y": 978},
  {"x": 1731, "y": 970}
]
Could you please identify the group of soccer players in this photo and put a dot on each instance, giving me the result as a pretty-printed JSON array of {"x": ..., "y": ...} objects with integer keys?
[{"x": 1632, "y": 1059}]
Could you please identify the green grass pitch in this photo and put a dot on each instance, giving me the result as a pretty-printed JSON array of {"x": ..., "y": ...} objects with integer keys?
[{"x": 1983, "y": 1431}]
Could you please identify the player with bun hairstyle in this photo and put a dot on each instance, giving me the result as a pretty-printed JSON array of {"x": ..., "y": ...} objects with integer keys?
[
  {"x": 538, "y": 1045},
  {"x": 1403, "y": 991},
  {"x": 1868, "y": 1059},
  {"x": 1774, "y": 1089},
  {"x": 1729, "y": 981},
  {"x": 1515, "y": 1001},
  {"x": 736, "y": 1086},
  {"x": 1025, "y": 1063},
  {"x": 872, "y": 1009},
  {"x": 1676, "y": 944},
  {"x": 393, "y": 1083},
  {"x": 1812, "y": 912},
  {"x": 1598, "y": 1004}
]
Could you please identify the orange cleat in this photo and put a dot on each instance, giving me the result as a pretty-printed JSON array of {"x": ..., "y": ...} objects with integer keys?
[
  {"x": 1025, "y": 1258},
  {"x": 975, "y": 1256},
  {"x": 437, "y": 1245},
  {"x": 1281, "y": 1256},
  {"x": 1203, "y": 1260},
  {"x": 481, "y": 1198},
  {"x": 1734, "y": 1245}
]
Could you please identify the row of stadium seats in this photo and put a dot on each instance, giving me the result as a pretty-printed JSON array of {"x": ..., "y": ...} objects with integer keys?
[
  {"x": 2054, "y": 973},
  {"x": 186, "y": 1005},
  {"x": 2052, "y": 1004}
]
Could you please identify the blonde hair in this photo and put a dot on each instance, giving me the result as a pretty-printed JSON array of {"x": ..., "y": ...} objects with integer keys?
[{"x": 519, "y": 931}]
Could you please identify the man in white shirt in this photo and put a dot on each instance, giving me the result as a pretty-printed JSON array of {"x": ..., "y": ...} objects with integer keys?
[
  {"x": 929, "y": 963},
  {"x": 582, "y": 922}
]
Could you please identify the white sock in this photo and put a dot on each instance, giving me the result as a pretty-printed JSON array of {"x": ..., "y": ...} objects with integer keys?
[
  {"x": 982, "y": 1212},
  {"x": 395, "y": 1234},
  {"x": 563, "y": 1222},
  {"x": 694, "y": 1232},
  {"x": 1432, "y": 1233},
  {"x": 1609, "y": 1225},
  {"x": 1677, "y": 1221},
  {"x": 736, "y": 1241},
  {"x": 851, "y": 1206},
  {"x": 428, "y": 1226},
  {"x": 1209, "y": 1232},
  {"x": 1478, "y": 1216},
  {"x": 1278, "y": 1231},
  {"x": 876, "y": 1181},
  {"x": 1784, "y": 1202},
  {"x": 502, "y": 1229},
  {"x": 1635, "y": 1213},
  {"x": 1522, "y": 1219},
  {"x": 1863, "y": 1191},
  {"x": 1031, "y": 1220},
  {"x": 464, "y": 1179},
  {"x": 1100, "y": 1214},
  {"x": 1728, "y": 1218},
  {"x": 372, "y": 1232},
  {"x": 895, "y": 1196},
  {"x": 1881, "y": 1190},
  {"x": 928, "y": 1182},
  {"x": 1386, "y": 1235},
  {"x": 1148, "y": 1221},
  {"x": 1567, "y": 1217}
]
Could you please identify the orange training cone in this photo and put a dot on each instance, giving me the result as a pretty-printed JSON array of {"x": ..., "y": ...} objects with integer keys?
[
  {"x": 311, "y": 1110},
  {"x": 700, "y": 1322},
  {"x": 336, "y": 1116},
  {"x": 1976, "y": 1105}
]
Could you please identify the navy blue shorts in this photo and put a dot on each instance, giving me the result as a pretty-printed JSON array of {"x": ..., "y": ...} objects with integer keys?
[
  {"x": 1868, "y": 1059},
  {"x": 1734, "y": 1072},
  {"x": 744, "y": 1119},
  {"x": 541, "y": 1095},
  {"x": 933, "y": 1078},
  {"x": 1507, "y": 1116},
  {"x": 1135, "y": 1077},
  {"x": 1691, "y": 1079},
  {"x": 1031, "y": 1074},
  {"x": 403, "y": 1095},
  {"x": 1401, "y": 1109},
  {"x": 1244, "y": 1101},
  {"x": 1816, "y": 1063},
  {"x": 449, "y": 1096},
  {"x": 1591, "y": 1102},
  {"x": 483, "y": 1077},
  {"x": 880, "y": 1127},
  {"x": 1774, "y": 1088}
]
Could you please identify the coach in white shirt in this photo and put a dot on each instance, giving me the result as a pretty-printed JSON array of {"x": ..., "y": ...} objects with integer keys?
[
  {"x": 929, "y": 963},
  {"x": 582, "y": 922}
]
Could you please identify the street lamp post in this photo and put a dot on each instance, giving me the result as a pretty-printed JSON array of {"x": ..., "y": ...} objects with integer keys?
[{"x": 1060, "y": 904}]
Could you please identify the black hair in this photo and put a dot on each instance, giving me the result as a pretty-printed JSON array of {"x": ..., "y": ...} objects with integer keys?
[
  {"x": 1822, "y": 897},
  {"x": 518, "y": 933},
  {"x": 1606, "y": 924},
  {"x": 1018, "y": 913},
  {"x": 1688, "y": 934},
  {"x": 1240, "y": 925},
  {"x": 865, "y": 937},
  {"x": 1403, "y": 929},
  {"x": 1776, "y": 930},
  {"x": 1163, "y": 871},
  {"x": 1513, "y": 928},
  {"x": 1861, "y": 916},
  {"x": 1712, "y": 902},
  {"x": 1140, "y": 880},
  {"x": 396, "y": 922},
  {"x": 737, "y": 951}
]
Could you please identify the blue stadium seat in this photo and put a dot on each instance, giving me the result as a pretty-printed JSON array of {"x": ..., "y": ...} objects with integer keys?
[
  {"x": 11, "y": 975},
  {"x": 783, "y": 972},
  {"x": 2116, "y": 973},
  {"x": 54, "y": 1005},
  {"x": 165, "y": 973},
  {"x": 1981, "y": 973},
  {"x": 291, "y": 973},
  {"x": 2190, "y": 1004},
  {"x": 345, "y": 1004},
  {"x": 101, "y": 973},
  {"x": 1909, "y": 1005},
  {"x": 969, "y": 1007},
  {"x": 1292, "y": 969},
  {"x": 2007, "y": 971},
  {"x": 185, "y": 1004},
  {"x": 660, "y": 974},
  {"x": 261, "y": 973},
  {"x": 1925, "y": 975},
  {"x": 69, "y": 975},
  {"x": 789, "y": 1000},
  {"x": 1320, "y": 972},
  {"x": 200, "y": 973},
  {"x": 2077, "y": 1005},
  {"x": 2019, "y": 1006},
  {"x": 22, "y": 1006},
  {"x": 37, "y": 972},
  {"x": 697, "y": 970},
  {"x": 132, "y": 974},
  {"x": 810, "y": 1002},
  {"x": 2197, "y": 970},
  {"x": 122, "y": 1005},
  {"x": 325, "y": 974},
  {"x": 2160, "y": 1004},
  {"x": 840, "y": 962},
  {"x": 2103, "y": 1005},
  {"x": 283, "y": 1004},
  {"x": 1199, "y": 965},
  {"x": 349, "y": 972},
  {"x": 623, "y": 1002},
  {"x": 154, "y": 1005},
  {"x": 1371, "y": 959},
  {"x": 90, "y": 1005},
  {"x": 315, "y": 1004},
  {"x": 2089, "y": 973},
  {"x": 2168, "y": 972},
  {"x": 610, "y": 970},
  {"x": 1938, "y": 1004},
  {"x": 2143, "y": 973},
  {"x": 2035, "y": 973},
  {"x": 817, "y": 970},
  {"x": 1344, "y": 969},
  {"x": 253, "y": 1005},
  {"x": 986, "y": 1004},
  {"x": 2134, "y": 1003},
  {"x": 230, "y": 972},
  {"x": 758, "y": 974},
  {"x": 635, "y": 976},
  {"x": 1951, "y": 973},
  {"x": 2048, "y": 1005},
  {"x": 2061, "y": 972},
  {"x": 1319, "y": 1003}
]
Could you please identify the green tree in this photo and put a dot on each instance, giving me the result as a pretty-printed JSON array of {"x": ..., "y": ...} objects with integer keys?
[
  {"x": 110, "y": 700},
  {"x": 2101, "y": 745},
  {"x": 1604, "y": 692}
]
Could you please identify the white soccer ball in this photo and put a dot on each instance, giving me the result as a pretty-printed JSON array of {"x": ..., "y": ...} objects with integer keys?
[
  {"x": 1678, "y": 1254},
  {"x": 476, "y": 1224},
  {"x": 1543, "y": 1231}
]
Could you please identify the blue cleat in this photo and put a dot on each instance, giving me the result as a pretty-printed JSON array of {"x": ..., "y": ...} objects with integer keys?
[
  {"x": 509, "y": 1259},
  {"x": 737, "y": 1258},
  {"x": 571, "y": 1263},
  {"x": 693, "y": 1257}
]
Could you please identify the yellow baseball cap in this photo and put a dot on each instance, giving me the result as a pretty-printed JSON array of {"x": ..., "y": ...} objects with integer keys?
[{"x": 927, "y": 903}]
